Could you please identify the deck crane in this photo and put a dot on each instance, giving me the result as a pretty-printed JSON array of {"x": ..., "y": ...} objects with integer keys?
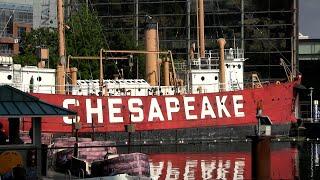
[{"x": 286, "y": 69}]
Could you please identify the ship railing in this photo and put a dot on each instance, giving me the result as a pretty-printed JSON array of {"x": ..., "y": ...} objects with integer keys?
[
  {"x": 135, "y": 91},
  {"x": 33, "y": 88},
  {"x": 229, "y": 54},
  {"x": 129, "y": 90},
  {"x": 204, "y": 63},
  {"x": 234, "y": 54}
]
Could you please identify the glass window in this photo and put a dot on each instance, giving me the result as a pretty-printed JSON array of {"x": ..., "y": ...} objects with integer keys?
[
  {"x": 317, "y": 48},
  {"x": 21, "y": 31},
  {"x": 304, "y": 49}
]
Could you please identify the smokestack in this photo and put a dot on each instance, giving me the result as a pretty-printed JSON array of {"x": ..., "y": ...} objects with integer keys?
[
  {"x": 222, "y": 77},
  {"x": 151, "y": 44},
  {"x": 201, "y": 28},
  {"x": 166, "y": 72},
  {"x": 74, "y": 78}
]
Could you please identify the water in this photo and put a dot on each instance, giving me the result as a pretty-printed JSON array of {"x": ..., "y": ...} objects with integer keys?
[{"x": 288, "y": 160}]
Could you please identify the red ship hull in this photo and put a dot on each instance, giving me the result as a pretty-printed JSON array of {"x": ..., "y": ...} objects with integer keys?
[
  {"x": 236, "y": 109},
  {"x": 112, "y": 113}
]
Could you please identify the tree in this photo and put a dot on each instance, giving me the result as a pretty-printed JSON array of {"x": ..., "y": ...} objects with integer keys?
[
  {"x": 31, "y": 42},
  {"x": 84, "y": 37}
]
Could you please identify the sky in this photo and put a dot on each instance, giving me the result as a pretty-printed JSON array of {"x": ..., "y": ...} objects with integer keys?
[{"x": 309, "y": 18}]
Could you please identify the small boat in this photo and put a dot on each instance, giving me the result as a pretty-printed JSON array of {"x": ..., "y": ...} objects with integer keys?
[{"x": 97, "y": 159}]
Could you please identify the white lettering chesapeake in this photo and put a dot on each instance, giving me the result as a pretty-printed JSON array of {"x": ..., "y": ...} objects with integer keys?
[
  {"x": 155, "y": 111},
  {"x": 172, "y": 109},
  {"x": 188, "y": 108},
  {"x": 113, "y": 110},
  {"x": 134, "y": 109},
  {"x": 91, "y": 110},
  {"x": 221, "y": 106},
  {"x": 237, "y": 105},
  {"x": 207, "y": 109},
  {"x": 66, "y": 104}
]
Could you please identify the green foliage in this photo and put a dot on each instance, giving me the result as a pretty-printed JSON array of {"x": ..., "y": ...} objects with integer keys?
[
  {"x": 84, "y": 37},
  {"x": 31, "y": 42}
]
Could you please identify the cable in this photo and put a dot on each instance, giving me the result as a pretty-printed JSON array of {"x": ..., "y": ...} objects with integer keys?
[{"x": 218, "y": 8}]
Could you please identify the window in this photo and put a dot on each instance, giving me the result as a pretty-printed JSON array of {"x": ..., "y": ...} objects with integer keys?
[{"x": 21, "y": 31}]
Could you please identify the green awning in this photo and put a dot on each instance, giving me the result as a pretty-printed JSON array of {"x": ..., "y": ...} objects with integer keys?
[{"x": 16, "y": 103}]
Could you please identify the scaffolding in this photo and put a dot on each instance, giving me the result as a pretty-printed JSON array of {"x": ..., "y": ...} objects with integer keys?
[{"x": 266, "y": 29}]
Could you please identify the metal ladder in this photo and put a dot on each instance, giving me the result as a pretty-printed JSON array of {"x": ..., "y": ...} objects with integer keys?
[{"x": 17, "y": 76}]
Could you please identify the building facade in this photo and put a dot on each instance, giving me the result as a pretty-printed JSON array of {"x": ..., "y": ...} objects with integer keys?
[
  {"x": 15, "y": 19},
  {"x": 309, "y": 64},
  {"x": 267, "y": 29},
  {"x": 18, "y": 17}
]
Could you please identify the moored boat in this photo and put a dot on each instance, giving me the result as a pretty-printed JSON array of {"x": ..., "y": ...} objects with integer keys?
[{"x": 206, "y": 97}]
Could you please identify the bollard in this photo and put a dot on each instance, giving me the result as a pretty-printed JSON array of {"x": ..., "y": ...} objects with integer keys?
[
  {"x": 130, "y": 128},
  {"x": 44, "y": 164}
]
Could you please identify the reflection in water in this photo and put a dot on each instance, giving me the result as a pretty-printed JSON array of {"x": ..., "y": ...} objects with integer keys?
[
  {"x": 309, "y": 154},
  {"x": 226, "y": 165},
  {"x": 316, "y": 154},
  {"x": 289, "y": 160}
]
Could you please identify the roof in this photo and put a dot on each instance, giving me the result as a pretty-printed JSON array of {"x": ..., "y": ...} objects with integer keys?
[
  {"x": 15, "y": 103},
  {"x": 265, "y": 120}
]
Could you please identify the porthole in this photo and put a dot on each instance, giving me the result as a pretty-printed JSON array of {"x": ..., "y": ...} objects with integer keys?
[
  {"x": 39, "y": 78},
  {"x": 216, "y": 78},
  {"x": 239, "y": 66},
  {"x": 9, "y": 77},
  {"x": 202, "y": 78}
]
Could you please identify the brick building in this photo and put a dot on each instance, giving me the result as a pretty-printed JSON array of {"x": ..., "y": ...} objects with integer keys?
[{"x": 15, "y": 19}]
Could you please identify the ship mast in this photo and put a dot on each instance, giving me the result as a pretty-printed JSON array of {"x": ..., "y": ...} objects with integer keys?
[
  {"x": 201, "y": 28},
  {"x": 60, "y": 76}
]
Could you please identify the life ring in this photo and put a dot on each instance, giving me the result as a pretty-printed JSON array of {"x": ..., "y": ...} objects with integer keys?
[
  {"x": 9, "y": 160},
  {"x": 258, "y": 86},
  {"x": 278, "y": 82}
]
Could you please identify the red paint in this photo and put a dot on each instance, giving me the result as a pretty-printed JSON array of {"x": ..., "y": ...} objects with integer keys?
[{"x": 277, "y": 101}]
